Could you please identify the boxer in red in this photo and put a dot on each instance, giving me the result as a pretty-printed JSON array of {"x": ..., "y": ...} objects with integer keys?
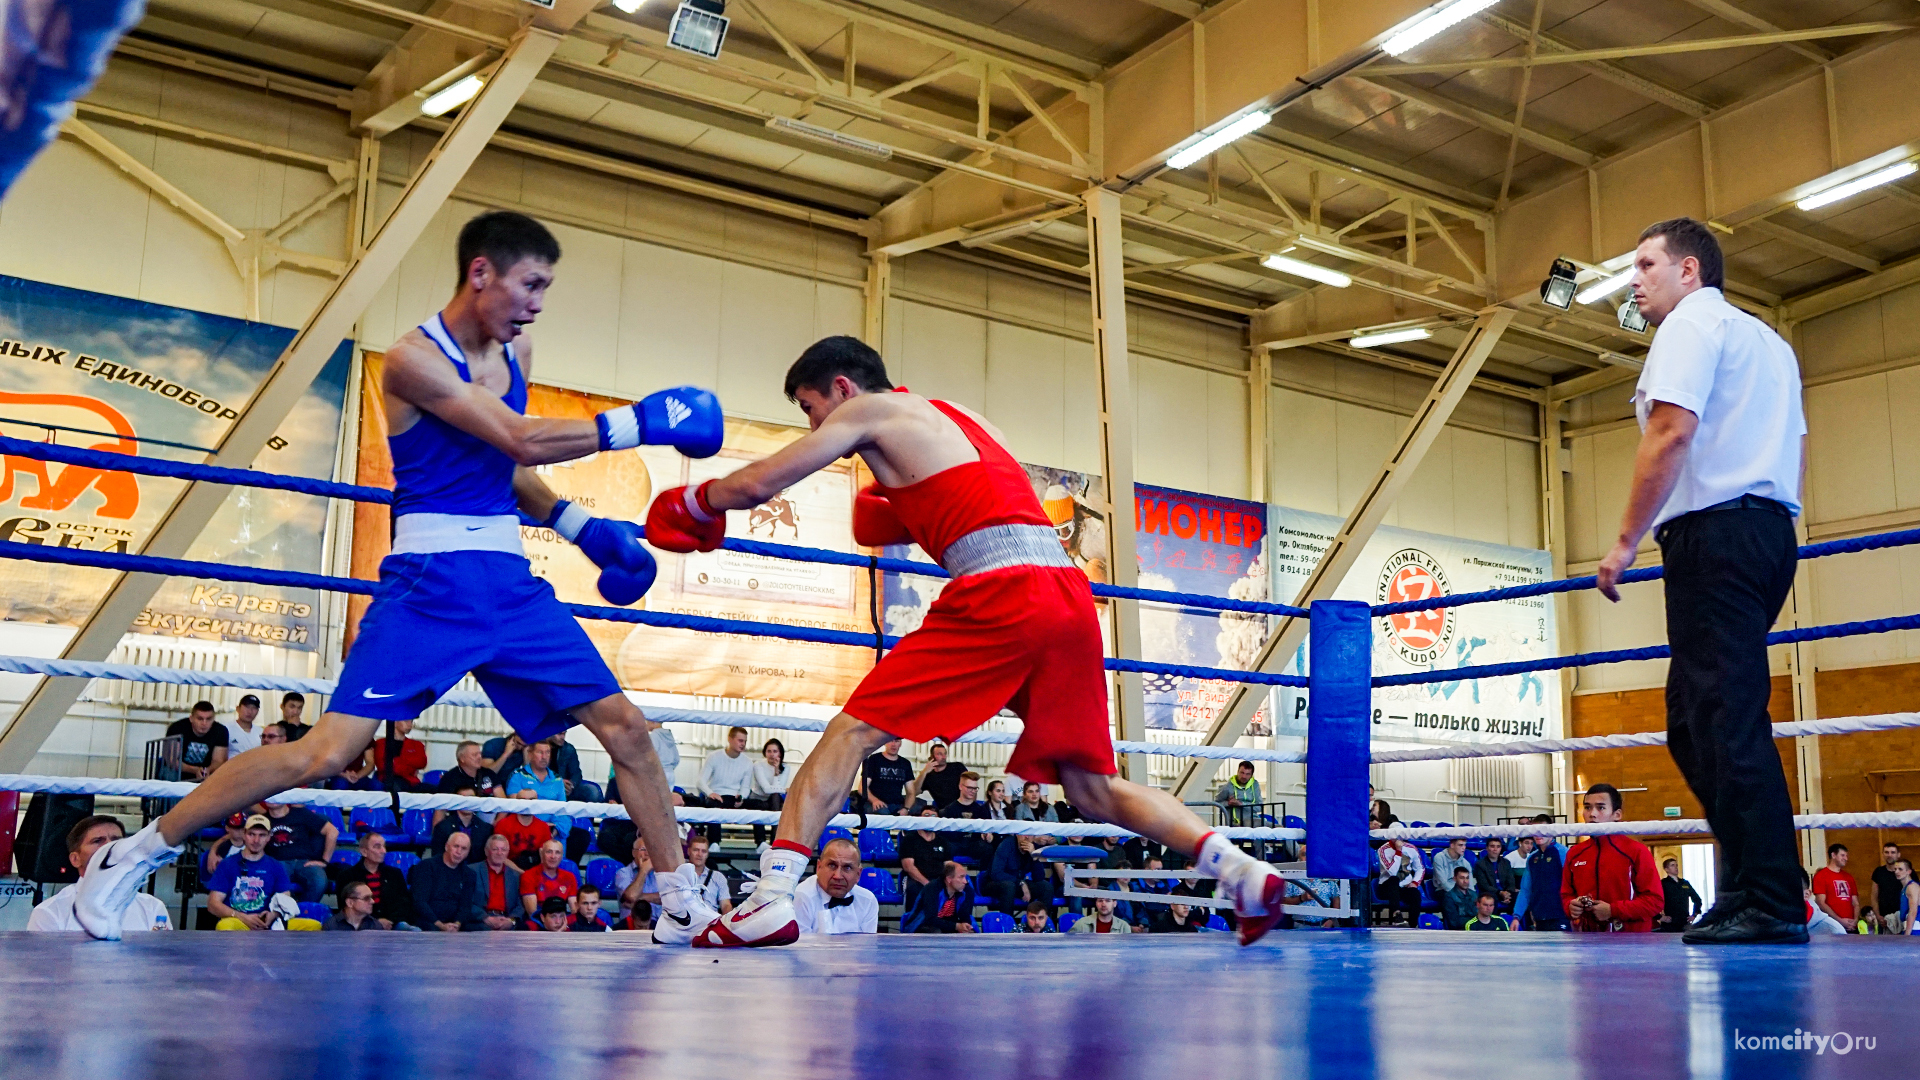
[{"x": 1015, "y": 628}]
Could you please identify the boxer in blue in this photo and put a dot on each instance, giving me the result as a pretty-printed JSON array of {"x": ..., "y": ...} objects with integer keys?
[{"x": 456, "y": 595}]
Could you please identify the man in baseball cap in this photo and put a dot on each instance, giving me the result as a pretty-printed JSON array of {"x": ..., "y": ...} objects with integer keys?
[
  {"x": 244, "y": 733},
  {"x": 244, "y": 884}
]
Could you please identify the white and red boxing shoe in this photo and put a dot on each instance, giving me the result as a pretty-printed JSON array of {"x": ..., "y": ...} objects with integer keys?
[
  {"x": 1255, "y": 887},
  {"x": 767, "y": 917},
  {"x": 683, "y": 911}
]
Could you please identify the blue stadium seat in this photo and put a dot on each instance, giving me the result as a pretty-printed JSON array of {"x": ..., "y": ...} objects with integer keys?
[
  {"x": 600, "y": 874},
  {"x": 876, "y": 846},
  {"x": 995, "y": 922},
  {"x": 1295, "y": 821},
  {"x": 1418, "y": 825},
  {"x": 572, "y": 867},
  {"x": 431, "y": 777},
  {"x": 402, "y": 861},
  {"x": 882, "y": 885},
  {"x": 345, "y": 856},
  {"x": 316, "y": 912},
  {"x": 332, "y": 813},
  {"x": 1067, "y": 921},
  {"x": 1215, "y": 922},
  {"x": 417, "y": 824},
  {"x": 834, "y": 832},
  {"x": 1432, "y": 922},
  {"x": 376, "y": 819}
]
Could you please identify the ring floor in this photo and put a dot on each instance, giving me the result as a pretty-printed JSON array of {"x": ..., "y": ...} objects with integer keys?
[{"x": 1316, "y": 1004}]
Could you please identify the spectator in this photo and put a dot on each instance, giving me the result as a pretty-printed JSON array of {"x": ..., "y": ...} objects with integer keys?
[
  {"x": 496, "y": 889},
  {"x": 555, "y": 916},
  {"x": 467, "y": 774},
  {"x": 246, "y": 882},
  {"x": 537, "y": 776},
  {"x": 1909, "y": 911},
  {"x": 1545, "y": 869},
  {"x": 1457, "y": 901},
  {"x": 1102, "y": 920},
  {"x": 303, "y": 841},
  {"x": 587, "y": 916},
  {"x": 920, "y": 853},
  {"x": 504, "y": 756},
  {"x": 1155, "y": 885},
  {"x": 1517, "y": 858},
  {"x": 244, "y": 733},
  {"x": 639, "y": 890},
  {"x": 1834, "y": 891},
  {"x": 1238, "y": 796},
  {"x": 714, "y": 886},
  {"x": 1178, "y": 918},
  {"x": 967, "y": 804},
  {"x": 726, "y": 780},
  {"x": 884, "y": 778},
  {"x": 235, "y": 839},
  {"x": 359, "y": 776},
  {"x": 1819, "y": 921},
  {"x": 1681, "y": 904},
  {"x": 998, "y": 807},
  {"x": 1038, "y": 920},
  {"x": 833, "y": 901},
  {"x": 292, "y": 705},
  {"x": 391, "y": 903},
  {"x": 1446, "y": 859},
  {"x": 1033, "y": 804},
  {"x": 1400, "y": 874},
  {"x": 548, "y": 879},
  {"x": 1610, "y": 881},
  {"x": 525, "y": 834},
  {"x": 1494, "y": 876},
  {"x": 408, "y": 759},
  {"x": 565, "y": 760},
  {"x": 88, "y": 835},
  {"x": 273, "y": 734},
  {"x": 1310, "y": 892},
  {"x": 1015, "y": 879},
  {"x": 771, "y": 778},
  {"x": 1886, "y": 889},
  {"x": 356, "y": 909},
  {"x": 939, "y": 781},
  {"x": 462, "y": 823},
  {"x": 442, "y": 887},
  {"x": 666, "y": 747},
  {"x": 203, "y": 741},
  {"x": 1483, "y": 916},
  {"x": 943, "y": 908}
]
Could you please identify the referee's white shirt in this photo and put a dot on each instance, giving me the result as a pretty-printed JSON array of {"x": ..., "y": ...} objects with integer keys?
[
  {"x": 811, "y": 912},
  {"x": 55, "y": 914},
  {"x": 1734, "y": 373}
]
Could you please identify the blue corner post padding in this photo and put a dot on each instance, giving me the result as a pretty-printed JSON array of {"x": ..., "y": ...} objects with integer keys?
[{"x": 1339, "y": 731}]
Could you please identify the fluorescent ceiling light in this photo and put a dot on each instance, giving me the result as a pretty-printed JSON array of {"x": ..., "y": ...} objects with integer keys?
[
  {"x": 1433, "y": 22},
  {"x": 451, "y": 98},
  {"x": 629, "y": 6},
  {"x": 1207, "y": 144},
  {"x": 1854, "y": 187},
  {"x": 699, "y": 27},
  {"x": 1620, "y": 262},
  {"x": 840, "y": 140},
  {"x": 1306, "y": 270},
  {"x": 1605, "y": 287},
  {"x": 1391, "y": 337}
]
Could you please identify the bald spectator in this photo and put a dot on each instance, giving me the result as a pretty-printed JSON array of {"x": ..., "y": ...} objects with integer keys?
[
  {"x": 833, "y": 900},
  {"x": 442, "y": 888},
  {"x": 87, "y": 836},
  {"x": 467, "y": 774},
  {"x": 466, "y": 823},
  {"x": 548, "y": 879}
]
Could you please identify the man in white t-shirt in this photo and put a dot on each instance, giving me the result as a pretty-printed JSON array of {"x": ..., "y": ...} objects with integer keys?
[
  {"x": 87, "y": 836},
  {"x": 244, "y": 733},
  {"x": 1717, "y": 477},
  {"x": 833, "y": 901}
]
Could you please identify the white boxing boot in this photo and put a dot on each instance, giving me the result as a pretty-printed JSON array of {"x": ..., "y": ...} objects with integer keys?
[
  {"x": 1255, "y": 887},
  {"x": 114, "y": 874},
  {"x": 767, "y": 916},
  {"x": 683, "y": 911}
]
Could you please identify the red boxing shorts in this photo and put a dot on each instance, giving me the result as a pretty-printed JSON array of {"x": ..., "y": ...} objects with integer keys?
[{"x": 1025, "y": 638}]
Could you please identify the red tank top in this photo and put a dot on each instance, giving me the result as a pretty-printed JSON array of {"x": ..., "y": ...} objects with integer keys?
[{"x": 954, "y": 502}]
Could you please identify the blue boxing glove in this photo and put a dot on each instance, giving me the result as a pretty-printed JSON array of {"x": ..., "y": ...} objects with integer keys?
[
  {"x": 686, "y": 418},
  {"x": 627, "y": 568}
]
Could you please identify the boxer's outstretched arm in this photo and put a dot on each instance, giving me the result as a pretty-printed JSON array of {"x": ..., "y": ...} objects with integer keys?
[
  {"x": 534, "y": 497},
  {"x": 427, "y": 380},
  {"x": 846, "y": 430}
]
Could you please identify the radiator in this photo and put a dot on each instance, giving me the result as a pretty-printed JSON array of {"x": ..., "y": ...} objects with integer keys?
[
  {"x": 164, "y": 697},
  {"x": 1487, "y": 778}
]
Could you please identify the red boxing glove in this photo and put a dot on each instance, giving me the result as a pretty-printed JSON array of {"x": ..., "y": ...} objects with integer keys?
[
  {"x": 875, "y": 522},
  {"x": 681, "y": 519}
]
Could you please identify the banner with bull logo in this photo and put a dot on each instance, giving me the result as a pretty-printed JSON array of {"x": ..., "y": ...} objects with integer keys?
[
  {"x": 121, "y": 376},
  {"x": 1399, "y": 565}
]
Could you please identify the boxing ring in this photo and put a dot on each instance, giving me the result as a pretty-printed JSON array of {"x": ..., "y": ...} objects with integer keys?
[{"x": 1315, "y": 1002}]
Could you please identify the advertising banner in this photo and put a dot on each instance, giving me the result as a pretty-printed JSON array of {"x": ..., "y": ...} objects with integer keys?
[
  {"x": 121, "y": 376},
  {"x": 1399, "y": 565},
  {"x": 817, "y": 512}
]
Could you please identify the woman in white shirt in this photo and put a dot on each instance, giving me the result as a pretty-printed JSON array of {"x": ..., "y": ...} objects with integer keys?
[
  {"x": 771, "y": 778},
  {"x": 997, "y": 802}
]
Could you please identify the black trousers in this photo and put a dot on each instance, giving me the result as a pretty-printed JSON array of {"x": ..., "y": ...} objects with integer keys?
[{"x": 1727, "y": 573}]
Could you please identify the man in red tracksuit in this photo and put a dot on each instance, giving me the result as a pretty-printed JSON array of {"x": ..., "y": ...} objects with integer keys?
[{"x": 1611, "y": 882}]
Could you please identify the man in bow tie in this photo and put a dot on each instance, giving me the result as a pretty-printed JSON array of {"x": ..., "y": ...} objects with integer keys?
[{"x": 833, "y": 901}]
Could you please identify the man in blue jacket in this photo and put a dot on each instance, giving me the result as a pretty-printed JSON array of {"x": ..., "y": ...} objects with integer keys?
[
  {"x": 1014, "y": 879},
  {"x": 945, "y": 910},
  {"x": 1544, "y": 910},
  {"x": 442, "y": 888}
]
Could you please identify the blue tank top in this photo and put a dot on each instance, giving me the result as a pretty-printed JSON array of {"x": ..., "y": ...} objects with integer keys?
[{"x": 439, "y": 469}]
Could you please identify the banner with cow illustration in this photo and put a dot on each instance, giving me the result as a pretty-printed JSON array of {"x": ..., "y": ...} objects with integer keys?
[
  {"x": 107, "y": 373},
  {"x": 1399, "y": 565}
]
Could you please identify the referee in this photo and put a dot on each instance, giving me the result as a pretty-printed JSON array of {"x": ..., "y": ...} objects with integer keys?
[{"x": 1717, "y": 477}]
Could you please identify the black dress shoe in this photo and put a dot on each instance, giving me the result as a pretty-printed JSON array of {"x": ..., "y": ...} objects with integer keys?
[
  {"x": 1725, "y": 906},
  {"x": 1750, "y": 926}
]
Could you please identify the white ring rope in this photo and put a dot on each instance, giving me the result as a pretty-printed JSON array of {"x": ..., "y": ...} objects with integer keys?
[
  {"x": 1890, "y": 819},
  {"x": 172, "y": 789},
  {"x": 1839, "y": 725}
]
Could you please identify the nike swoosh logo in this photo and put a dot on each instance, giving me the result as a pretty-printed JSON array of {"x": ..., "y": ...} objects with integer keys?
[
  {"x": 371, "y": 694},
  {"x": 682, "y": 920},
  {"x": 475, "y": 528}
]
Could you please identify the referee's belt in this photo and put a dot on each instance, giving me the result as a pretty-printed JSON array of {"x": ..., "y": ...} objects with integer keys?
[
  {"x": 1744, "y": 502},
  {"x": 998, "y": 547}
]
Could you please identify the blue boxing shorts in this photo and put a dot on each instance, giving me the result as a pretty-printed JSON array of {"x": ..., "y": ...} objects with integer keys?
[{"x": 439, "y": 616}]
